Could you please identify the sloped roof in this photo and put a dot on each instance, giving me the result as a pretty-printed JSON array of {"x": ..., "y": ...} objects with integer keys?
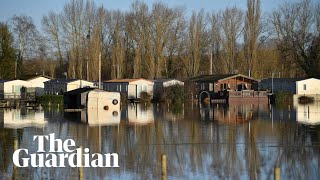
[
  {"x": 218, "y": 77},
  {"x": 31, "y": 76},
  {"x": 125, "y": 80},
  {"x": 3, "y": 81},
  {"x": 44, "y": 76},
  {"x": 79, "y": 91},
  {"x": 282, "y": 79},
  {"x": 165, "y": 80},
  {"x": 309, "y": 79},
  {"x": 61, "y": 80}
]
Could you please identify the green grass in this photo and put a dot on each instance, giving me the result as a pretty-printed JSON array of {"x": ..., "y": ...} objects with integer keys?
[
  {"x": 50, "y": 100},
  {"x": 283, "y": 98},
  {"x": 172, "y": 94}
]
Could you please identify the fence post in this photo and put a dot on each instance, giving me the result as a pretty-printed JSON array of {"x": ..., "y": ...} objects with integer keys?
[
  {"x": 163, "y": 167},
  {"x": 276, "y": 173},
  {"x": 81, "y": 164},
  {"x": 15, "y": 147}
]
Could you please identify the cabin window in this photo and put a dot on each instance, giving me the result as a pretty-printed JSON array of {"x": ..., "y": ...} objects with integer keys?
[
  {"x": 120, "y": 87},
  {"x": 126, "y": 87},
  {"x": 304, "y": 87},
  {"x": 211, "y": 87},
  {"x": 144, "y": 88}
]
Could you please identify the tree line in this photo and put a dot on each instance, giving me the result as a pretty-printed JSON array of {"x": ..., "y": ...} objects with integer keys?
[{"x": 163, "y": 42}]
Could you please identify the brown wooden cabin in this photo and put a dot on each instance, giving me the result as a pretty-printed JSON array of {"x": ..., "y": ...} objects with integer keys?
[{"x": 225, "y": 86}]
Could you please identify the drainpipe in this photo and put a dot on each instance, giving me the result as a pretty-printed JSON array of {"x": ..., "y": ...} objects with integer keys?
[{"x": 272, "y": 82}]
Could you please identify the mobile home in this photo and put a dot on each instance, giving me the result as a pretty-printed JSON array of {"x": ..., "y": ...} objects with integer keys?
[
  {"x": 130, "y": 87},
  {"x": 12, "y": 89}
]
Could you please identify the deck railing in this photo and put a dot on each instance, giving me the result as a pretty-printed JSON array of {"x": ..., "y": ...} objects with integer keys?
[
  {"x": 27, "y": 96},
  {"x": 248, "y": 93},
  {"x": 10, "y": 96}
]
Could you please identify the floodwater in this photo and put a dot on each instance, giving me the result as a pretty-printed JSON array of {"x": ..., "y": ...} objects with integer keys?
[{"x": 239, "y": 141}]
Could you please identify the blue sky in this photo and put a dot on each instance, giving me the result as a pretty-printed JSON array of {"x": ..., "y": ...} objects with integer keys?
[{"x": 37, "y": 8}]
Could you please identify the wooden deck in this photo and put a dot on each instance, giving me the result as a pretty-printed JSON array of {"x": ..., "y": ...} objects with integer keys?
[
  {"x": 218, "y": 101},
  {"x": 14, "y": 100},
  {"x": 247, "y": 94},
  {"x": 240, "y": 96}
]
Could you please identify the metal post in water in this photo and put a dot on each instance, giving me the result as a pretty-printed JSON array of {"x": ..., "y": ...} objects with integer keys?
[
  {"x": 99, "y": 86},
  {"x": 211, "y": 63},
  {"x": 272, "y": 83},
  {"x": 163, "y": 167},
  {"x": 81, "y": 164},
  {"x": 15, "y": 147},
  {"x": 276, "y": 173}
]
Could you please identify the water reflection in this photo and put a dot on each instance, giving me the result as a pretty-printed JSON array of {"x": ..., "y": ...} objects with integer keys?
[
  {"x": 20, "y": 118},
  {"x": 239, "y": 141},
  {"x": 139, "y": 114},
  {"x": 232, "y": 113},
  {"x": 308, "y": 114}
]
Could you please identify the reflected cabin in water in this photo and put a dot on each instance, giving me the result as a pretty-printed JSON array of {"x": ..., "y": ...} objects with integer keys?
[{"x": 225, "y": 88}]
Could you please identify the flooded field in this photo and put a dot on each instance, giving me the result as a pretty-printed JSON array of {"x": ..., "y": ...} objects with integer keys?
[{"x": 236, "y": 141}]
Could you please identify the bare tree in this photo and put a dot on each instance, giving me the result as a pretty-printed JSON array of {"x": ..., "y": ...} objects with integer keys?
[
  {"x": 293, "y": 23},
  {"x": 73, "y": 23},
  {"x": 215, "y": 41},
  {"x": 98, "y": 43},
  {"x": 251, "y": 33},
  {"x": 26, "y": 35},
  {"x": 317, "y": 17},
  {"x": 232, "y": 25},
  {"x": 175, "y": 44},
  {"x": 163, "y": 19},
  {"x": 196, "y": 43},
  {"x": 51, "y": 26},
  {"x": 138, "y": 27},
  {"x": 116, "y": 27}
]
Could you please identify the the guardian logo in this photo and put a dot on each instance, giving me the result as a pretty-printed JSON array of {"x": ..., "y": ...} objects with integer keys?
[{"x": 62, "y": 153}]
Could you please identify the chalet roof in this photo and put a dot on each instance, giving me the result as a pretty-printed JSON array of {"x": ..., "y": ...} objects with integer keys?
[
  {"x": 165, "y": 80},
  {"x": 61, "y": 80},
  {"x": 79, "y": 91},
  {"x": 309, "y": 79},
  {"x": 218, "y": 77},
  {"x": 31, "y": 77},
  {"x": 44, "y": 76},
  {"x": 125, "y": 80},
  {"x": 5, "y": 80},
  {"x": 282, "y": 79}
]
